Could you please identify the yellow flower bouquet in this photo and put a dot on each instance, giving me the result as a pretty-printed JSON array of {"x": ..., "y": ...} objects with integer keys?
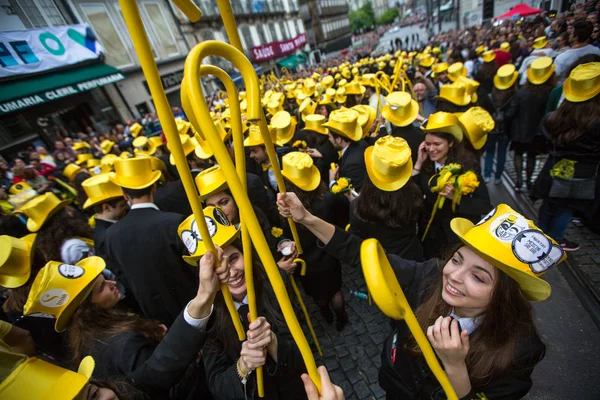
[{"x": 342, "y": 185}]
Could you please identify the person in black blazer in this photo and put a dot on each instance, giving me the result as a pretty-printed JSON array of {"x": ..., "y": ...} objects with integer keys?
[
  {"x": 143, "y": 248},
  {"x": 319, "y": 146}
]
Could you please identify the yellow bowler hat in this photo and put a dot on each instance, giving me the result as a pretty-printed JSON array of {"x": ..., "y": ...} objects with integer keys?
[
  {"x": 389, "y": 163},
  {"x": 476, "y": 123},
  {"x": 135, "y": 129},
  {"x": 540, "y": 70},
  {"x": 83, "y": 158},
  {"x": 70, "y": 171},
  {"x": 439, "y": 68},
  {"x": 314, "y": 123},
  {"x": 443, "y": 122},
  {"x": 427, "y": 61},
  {"x": 254, "y": 137},
  {"x": 299, "y": 168},
  {"x": 99, "y": 189},
  {"x": 340, "y": 95},
  {"x": 366, "y": 117},
  {"x": 488, "y": 56},
  {"x": 106, "y": 146},
  {"x": 284, "y": 126},
  {"x": 60, "y": 288},
  {"x": 38, "y": 379},
  {"x": 345, "y": 123},
  {"x": 327, "y": 82},
  {"x": 456, "y": 70},
  {"x": 80, "y": 146},
  {"x": 505, "y": 77},
  {"x": 540, "y": 42},
  {"x": 39, "y": 209},
  {"x": 134, "y": 173},
  {"x": 307, "y": 107},
  {"x": 19, "y": 187},
  {"x": 107, "y": 162},
  {"x": 583, "y": 83},
  {"x": 400, "y": 109},
  {"x": 513, "y": 244},
  {"x": 210, "y": 181},
  {"x": 16, "y": 256},
  {"x": 354, "y": 87},
  {"x": 143, "y": 146},
  {"x": 221, "y": 230},
  {"x": 455, "y": 93},
  {"x": 326, "y": 99}
]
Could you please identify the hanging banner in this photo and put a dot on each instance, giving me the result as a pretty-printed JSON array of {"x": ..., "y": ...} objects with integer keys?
[
  {"x": 278, "y": 49},
  {"x": 37, "y": 50}
]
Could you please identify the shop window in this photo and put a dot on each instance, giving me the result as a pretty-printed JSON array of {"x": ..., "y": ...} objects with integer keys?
[
  {"x": 287, "y": 30},
  {"x": 40, "y": 13},
  {"x": 159, "y": 26},
  {"x": 300, "y": 26},
  {"x": 15, "y": 127}
]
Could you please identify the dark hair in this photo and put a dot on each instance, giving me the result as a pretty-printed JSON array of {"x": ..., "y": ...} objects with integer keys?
[
  {"x": 456, "y": 154},
  {"x": 543, "y": 90},
  {"x": 508, "y": 316},
  {"x": 487, "y": 71},
  {"x": 583, "y": 31},
  {"x": 122, "y": 388},
  {"x": 395, "y": 209},
  {"x": 501, "y": 97},
  {"x": 306, "y": 197},
  {"x": 137, "y": 193},
  {"x": 336, "y": 135},
  {"x": 445, "y": 105},
  {"x": 113, "y": 203},
  {"x": 571, "y": 120}
]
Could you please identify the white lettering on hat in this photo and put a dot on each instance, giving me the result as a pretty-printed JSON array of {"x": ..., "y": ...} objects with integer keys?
[
  {"x": 531, "y": 246},
  {"x": 54, "y": 298},
  {"x": 192, "y": 237},
  {"x": 507, "y": 226},
  {"x": 70, "y": 271},
  {"x": 555, "y": 255}
]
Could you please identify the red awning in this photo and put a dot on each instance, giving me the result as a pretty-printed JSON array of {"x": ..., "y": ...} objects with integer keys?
[{"x": 522, "y": 10}]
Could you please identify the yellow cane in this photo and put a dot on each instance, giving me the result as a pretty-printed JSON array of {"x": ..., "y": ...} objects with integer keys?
[
  {"x": 144, "y": 51},
  {"x": 389, "y": 297},
  {"x": 301, "y": 302},
  {"x": 195, "y": 105},
  {"x": 240, "y": 165}
]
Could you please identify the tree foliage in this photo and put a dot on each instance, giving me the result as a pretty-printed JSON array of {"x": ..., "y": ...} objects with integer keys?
[
  {"x": 363, "y": 19},
  {"x": 388, "y": 17}
]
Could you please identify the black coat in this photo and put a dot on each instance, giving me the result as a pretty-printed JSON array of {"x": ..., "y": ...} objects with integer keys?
[
  {"x": 171, "y": 197},
  {"x": 100, "y": 237},
  {"x": 352, "y": 164},
  {"x": 168, "y": 369},
  {"x": 262, "y": 198},
  {"x": 329, "y": 155},
  {"x": 526, "y": 110},
  {"x": 145, "y": 252},
  {"x": 409, "y": 377}
]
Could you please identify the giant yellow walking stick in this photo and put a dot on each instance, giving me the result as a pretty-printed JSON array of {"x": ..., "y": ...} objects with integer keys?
[
  {"x": 389, "y": 297},
  {"x": 141, "y": 43},
  {"x": 195, "y": 106}
]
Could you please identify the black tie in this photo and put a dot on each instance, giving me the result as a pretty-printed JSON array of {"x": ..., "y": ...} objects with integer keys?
[{"x": 243, "y": 312}]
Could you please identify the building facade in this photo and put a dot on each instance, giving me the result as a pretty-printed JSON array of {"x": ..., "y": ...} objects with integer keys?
[{"x": 327, "y": 24}]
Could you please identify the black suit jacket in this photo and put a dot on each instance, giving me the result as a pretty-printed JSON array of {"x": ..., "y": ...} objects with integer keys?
[
  {"x": 352, "y": 164},
  {"x": 145, "y": 252},
  {"x": 329, "y": 155},
  {"x": 262, "y": 198},
  {"x": 100, "y": 237},
  {"x": 171, "y": 197}
]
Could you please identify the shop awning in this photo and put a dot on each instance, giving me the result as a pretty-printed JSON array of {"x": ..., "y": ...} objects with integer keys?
[
  {"x": 291, "y": 62},
  {"x": 32, "y": 91}
]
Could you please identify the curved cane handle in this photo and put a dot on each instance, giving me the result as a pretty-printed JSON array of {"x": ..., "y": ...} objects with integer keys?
[{"x": 302, "y": 265}]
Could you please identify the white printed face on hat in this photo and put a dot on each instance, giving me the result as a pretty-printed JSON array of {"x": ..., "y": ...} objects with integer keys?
[
  {"x": 507, "y": 226},
  {"x": 192, "y": 237},
  {"x": 70, "y": 271}
]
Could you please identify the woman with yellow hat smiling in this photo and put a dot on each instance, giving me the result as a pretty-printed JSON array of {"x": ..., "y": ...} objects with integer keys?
[
  {"x": 473, "y": 305},
  {"x": 323, "y": 279}
]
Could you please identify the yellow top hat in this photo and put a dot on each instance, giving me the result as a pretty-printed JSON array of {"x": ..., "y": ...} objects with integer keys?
[
  {"x": 299, "y": 168},
  {"x": 92, "y": 162},
  {"x": 340, "y": 95},
  {"x": 337, "y": 76},
  {"x": 346, "y": 72},
  {"x": 81, "y": 145},
  {"x": 315, "y": 76},
  {"x": 342, "y": 83},
  {"x": 427, "y": 61},
  {"x": 354, "y": 87},
  {"x": 99, "y": 189},
  {"x": 355, "y": 71},
  {"x": 39, "y": 209},
  {"x": 439, "y": 68},
  {"x": 540, "y": 42},
  {"x": 456, "y": 70},
  {"x": 106, "y": 146},
  {"x": 513, "y": 244},
  {"x": 369, "y": 80},
  {"x": 400, "y": 109},
  {"x": 107, "y": 162},
  {"x": 471, "y": 85},
  {"x": 70, "y": 171},
  {"x": 309, "y": 87},
  {"x": 307, "y": 107},
  {"x": 488, "y": 56},
  {"x": 505, "y": 77},
  {"x": 314, "y": 123},
  {"x": 389, "y": 163},
  {"x": 273, "y": 107},
  {"x": 345, "y": 123},
  {"x": 455, "y": 93},
  {"x": 183, "y": 127},
  {"x": 221, "y": 230},
  {"x": 125, "y": 155},
  {"x": 436, "y": 50},
  {"x": 584, "y": 82},
  {"x": 505, "y": 46},
  {"x": 60, "y": 288},
  {"x": 82, "y": 158},
  {"x": 540, "y": 70},
  {"x": 381, "y": 65},
  {"x": 366, "y": 117},
  {"x": 156, "y": 141},
  {"x": 16, "y": 256},
  {"x": 210, "y": 181},
  {"x": 203, "y": 150},
  {"x": 20, "y": 186},
  {"x": 223, "y": 133},
  {"x": 443, "y": 122},
  {"x": 476, "y": 123},
  {"x": 284, "y": 126},
  {"x": 38, "y": 379},
  {"x": 327, "y": 98},
  {"x": 143, "y": 146},
  {"x": 135, "y": 129},
  {"x": 480, "y": 49},
  {"x": 327, "y": 82},
  {"x": 254, "y": 137},
  {"x": 188, "y": 143},
  {"x": 134, "y": 173}
]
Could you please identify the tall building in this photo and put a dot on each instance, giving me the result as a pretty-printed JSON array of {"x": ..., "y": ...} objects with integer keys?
[{"x": 327, "y": 24}]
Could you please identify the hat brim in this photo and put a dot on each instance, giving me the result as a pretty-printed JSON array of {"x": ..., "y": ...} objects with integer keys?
[
  {"x": 578, "y": 97},
  {"x": 323, "y": 131},
  {"x": 388, "y": 114},
  {"x": 453, "y": 130},
  {"x": 387, "y": 184},
  {"x": 250, "y": 142},
  {"x": 308, "y": 184},
  {"x": 354, "y": 136},
  {"x": 538, "y": 80},
  {"x": 194, "y": 259},
  {"x": 466, "y": 99},
  {"x": 35, "y": 226},
  {"x": 289, "y": 134},
  {"x": 503, "y": 86},
  {"x": 155, "y": 176},
  {"x": 533, "y": 288},
  {"x": 10, "y": 281},
  {"x": 202, "y": 152}
]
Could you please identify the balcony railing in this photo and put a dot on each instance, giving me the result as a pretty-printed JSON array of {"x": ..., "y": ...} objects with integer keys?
[{"x": 246, "y": 7}]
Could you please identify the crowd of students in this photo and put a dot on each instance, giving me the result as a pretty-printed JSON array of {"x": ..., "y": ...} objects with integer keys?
[{"x": 110, "y": 292}]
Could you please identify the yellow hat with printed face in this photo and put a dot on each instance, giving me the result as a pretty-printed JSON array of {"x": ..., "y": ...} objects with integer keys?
[
  {"x": 443, "y": 122},
  {"x": 83, "y": 158},
  {"x": 80, "y": 146},
  {"x": 514, "y": 245},
  {"x": 60, "y": 288},
  {"x": 20, "y": 186},
  {"x": 37, "y": 379},
  {"x": 439, "y": 68},
  {"x": 106, "y": 146},
  {"x": 583, "y": 83},
  {"x": 284, "y": 126},
  {"x": 221, "y": 230},
  {"x": 488, "y": 56},
  {"x": 400, "y": 109},
  {"x": 427, "y": 61},
  {"x": 389, "y": 163},
  {"x": 210, "y": 181},
  {"x": 354, "y": 87},
  {"x": 39, "y": 209},
  {"x": 134, "y": 173},
  {"x": 314, "y": 123},
  {"x": 505, "y": 77},
  {"x": 455, "y": 93},
  {"x": 135, "y": 129},
  {"x": 345, "y": 123},
  {"x": 540, "y": 42},
  {"x": 142, "y": 145},
  {"x": 107, "y": 162},
  {"x": 476, "y": 123},
  {"x": 16, "y": 256},
  {"x": 99, "y": 189},
  {"x": 299, "y": 169},
  {"x": 540, "y": 70},
  {"x": 307, "y": 107},
  {"x": 456, "y": 70},
  {"x": 366, "y": 117}
]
